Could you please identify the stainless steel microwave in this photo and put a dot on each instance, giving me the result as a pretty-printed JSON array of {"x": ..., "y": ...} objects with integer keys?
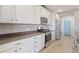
[{"x": 44, "y": 20}]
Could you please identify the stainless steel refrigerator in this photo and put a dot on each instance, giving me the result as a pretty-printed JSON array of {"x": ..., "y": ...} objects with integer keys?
[{"x": 57, "y": 29}]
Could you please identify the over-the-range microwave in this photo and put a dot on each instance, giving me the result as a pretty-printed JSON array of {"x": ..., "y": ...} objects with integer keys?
[{"x": 44, "y": 20}]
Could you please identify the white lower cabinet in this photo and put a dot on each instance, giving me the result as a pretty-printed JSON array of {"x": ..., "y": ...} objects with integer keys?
[
  {"x": 28, "y": 45},
  {"x": 12, "y": 50},
  {"x": 26, "y": 48},
  {"x": 20, "y": 49}
]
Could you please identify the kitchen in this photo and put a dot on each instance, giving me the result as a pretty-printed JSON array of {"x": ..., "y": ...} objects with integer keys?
[
  {"x": 37, "y": 28},
  {"x": 19, "y": 25}
]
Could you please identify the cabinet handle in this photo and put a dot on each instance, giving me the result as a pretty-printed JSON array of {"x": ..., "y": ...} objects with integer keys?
[
  {"x": 12, "y": 19},
  {"x": 17, "y": 43},
  {"x": 15, "y": 50},
  {"x": 34, "y": 38},
  {"x": 35, "y": 46},
  {"x": 16, "y": 20},
  {"x": 34, "y": 42},
  {"x": 20, "y": 48},
  {"x": 34, "y": 51}
]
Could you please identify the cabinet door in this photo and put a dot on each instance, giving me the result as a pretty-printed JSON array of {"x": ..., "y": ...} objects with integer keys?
[
  {"x": 49, "y": 18},
  {"x": 6, "y": 13},
  {"x": 26, "y": 48},
  {"x": 52, "y": 21},
  {"x": 44, "y": 12},
  {"x": 12, "y": 50},
  {"x": 30, "y": 14},
  {"x": 20, "y": 13},
  {"x": 24, "y": 14},
  {"x": 39, "y": 42},
  {"x": 42, "y": 41},
  {"x": 37, "y": 10}
]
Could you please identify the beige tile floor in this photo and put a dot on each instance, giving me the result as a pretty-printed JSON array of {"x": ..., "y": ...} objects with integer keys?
[{"x": 64, "y": 45}]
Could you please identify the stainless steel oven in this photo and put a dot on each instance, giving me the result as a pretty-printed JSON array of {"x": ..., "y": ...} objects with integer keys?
[
  {"x": 44, "y": 20},
  {"x": 48, "y": 36}
]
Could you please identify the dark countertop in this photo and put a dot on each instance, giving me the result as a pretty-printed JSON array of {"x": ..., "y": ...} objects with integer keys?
[{"x": 6, "y": 38}]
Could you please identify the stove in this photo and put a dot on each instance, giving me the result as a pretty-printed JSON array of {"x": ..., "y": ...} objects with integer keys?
[{"x": 47, "y": 36}]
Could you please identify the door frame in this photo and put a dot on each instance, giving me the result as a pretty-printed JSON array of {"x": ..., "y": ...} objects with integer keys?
[{"x": 72, "y": 24}]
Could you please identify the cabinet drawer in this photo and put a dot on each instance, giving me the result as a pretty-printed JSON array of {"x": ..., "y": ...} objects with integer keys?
[
  {"x": 12, "y": 50},
  {"x": 10, "y": 45}
]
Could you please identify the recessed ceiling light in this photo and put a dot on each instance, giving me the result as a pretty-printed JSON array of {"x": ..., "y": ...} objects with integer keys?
[{"x": 59, "y": 10}]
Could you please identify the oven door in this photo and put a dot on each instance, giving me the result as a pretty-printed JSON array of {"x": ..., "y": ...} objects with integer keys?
[{"x": 47, "y": 37}]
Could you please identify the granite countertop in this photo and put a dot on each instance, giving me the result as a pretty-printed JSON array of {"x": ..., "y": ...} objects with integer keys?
[{"x": 6, "y": 38}]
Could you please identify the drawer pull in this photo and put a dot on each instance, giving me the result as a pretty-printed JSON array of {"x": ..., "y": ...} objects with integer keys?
[
  {"x": 34, "y": 51},
  {"x": 35, "y": 46},
  {"x": 12, "y": 19},
  {"x": 16, "y": 20},
  {"x": 34, "y": 42},
  {"x": 34, "y": 38},
  {"x": 20, "y": 48},
  {"x": 17, "y": 43},
  {"x": 15, "y": 50}
]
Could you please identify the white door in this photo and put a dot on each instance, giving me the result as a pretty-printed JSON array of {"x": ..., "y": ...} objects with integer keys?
[
  {"x": 68, "y": 24},
  {"x": 6, "y": 13}
]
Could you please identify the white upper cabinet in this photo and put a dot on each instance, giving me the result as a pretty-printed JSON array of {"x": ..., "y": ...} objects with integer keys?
[
  {"x": 24, "y": 14},
  {"x": 6, "y": 14},
  {"x": 52, "y": 16},
  {"x": 44, "y": 12},
  {"x": 28, "y": 14},
  {"x": 20, "y": 13},
  {"x": 49, "y": 18},
  {"x": 37, "y": 11}
]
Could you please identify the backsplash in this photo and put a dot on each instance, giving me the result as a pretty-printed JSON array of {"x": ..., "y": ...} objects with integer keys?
[{"x": 12, "y": 28}]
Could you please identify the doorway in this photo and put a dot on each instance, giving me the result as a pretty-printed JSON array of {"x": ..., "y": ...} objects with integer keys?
[{"x": 67, "y": 27}]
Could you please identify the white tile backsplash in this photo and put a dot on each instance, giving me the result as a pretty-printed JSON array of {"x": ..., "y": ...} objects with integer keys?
[{"x": 12, "y": 28}]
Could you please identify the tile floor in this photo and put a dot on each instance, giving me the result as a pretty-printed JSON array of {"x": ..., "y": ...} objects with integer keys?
[{"x": 64, "y": 45}]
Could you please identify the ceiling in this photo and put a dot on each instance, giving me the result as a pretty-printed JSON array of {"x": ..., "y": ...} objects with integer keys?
[{"x": 62, "y": 8}]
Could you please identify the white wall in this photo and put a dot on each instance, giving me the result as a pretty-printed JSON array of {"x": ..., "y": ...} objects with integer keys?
[
  {"x": 76, "y": 24},
  {"x": 77, "y": 21}
]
